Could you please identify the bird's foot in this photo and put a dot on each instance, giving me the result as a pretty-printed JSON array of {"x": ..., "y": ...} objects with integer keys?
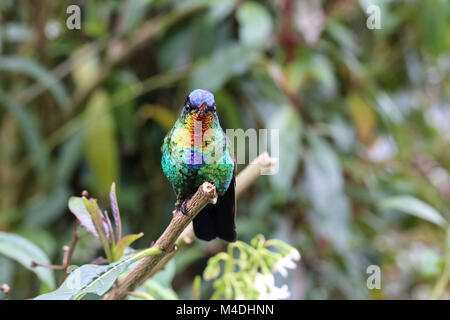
[{"x": 181, "y": 206}]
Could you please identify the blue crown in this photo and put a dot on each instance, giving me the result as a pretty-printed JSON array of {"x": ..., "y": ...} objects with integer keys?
[{"x": 199, "y": 96}]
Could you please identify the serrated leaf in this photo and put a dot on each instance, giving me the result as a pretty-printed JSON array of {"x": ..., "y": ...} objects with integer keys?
[
  {"x": 415, "y": 207},
  {"x": 25, "y": 252}
]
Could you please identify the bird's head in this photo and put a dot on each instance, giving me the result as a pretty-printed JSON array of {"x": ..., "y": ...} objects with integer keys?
[{"x": 200, "y": 102}]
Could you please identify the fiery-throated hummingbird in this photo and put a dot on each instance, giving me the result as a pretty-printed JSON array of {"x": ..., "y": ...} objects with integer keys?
[{"x": 196, "y": 150}]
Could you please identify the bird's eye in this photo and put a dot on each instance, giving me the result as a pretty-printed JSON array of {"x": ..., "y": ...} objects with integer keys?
[{"x": 187, "y": 107}]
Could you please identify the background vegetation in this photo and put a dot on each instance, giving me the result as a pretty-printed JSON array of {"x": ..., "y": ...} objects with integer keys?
[{"x": 363, "y": 117}]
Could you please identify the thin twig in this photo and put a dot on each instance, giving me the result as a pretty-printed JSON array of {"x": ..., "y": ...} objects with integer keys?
[
  {"x": 69, "y": 252},
  {"x": 35, "y": 264},
  {"x": 67, "y": 257}
]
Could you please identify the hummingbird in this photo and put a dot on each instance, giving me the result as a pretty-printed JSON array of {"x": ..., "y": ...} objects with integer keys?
[{"x": 197, "y": 150}]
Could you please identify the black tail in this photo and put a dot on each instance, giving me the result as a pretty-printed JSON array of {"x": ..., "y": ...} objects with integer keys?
[{"x": 218, "y": 220}]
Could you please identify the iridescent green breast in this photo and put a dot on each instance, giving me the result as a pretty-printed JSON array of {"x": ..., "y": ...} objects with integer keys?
[{"x": 187, "y": 164}]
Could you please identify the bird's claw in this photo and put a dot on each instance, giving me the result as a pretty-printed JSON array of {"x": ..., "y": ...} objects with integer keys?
[{"x": 182, "y": 206}]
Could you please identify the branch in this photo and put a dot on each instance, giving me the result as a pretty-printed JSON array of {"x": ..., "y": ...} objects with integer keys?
[
  {"x": 68, "y": 252},
  {"x": 205, "y": 194},
  {"x": 263, "y": 163},
  {"x": 177, "y": 230}
]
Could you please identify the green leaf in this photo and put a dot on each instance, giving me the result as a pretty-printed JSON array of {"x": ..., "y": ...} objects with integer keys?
[
  {"x": 78, "y": 208},
  {"x": 160, "y": 292},
  {"x": 68, "y": 158},
  {"x": 17, "y": 32},
  {"x": 124, "y": 243},
  {"x": 100, "y": 142},
  {"x": 415, "y": 207},
  {"x": 160, "y": 285},
  {"x": 100, "y": 224},
  {"x": 35, "y": 70},
  {"x": 196, "y": 288},
  {"x": 288, "y": 122},
  {"x": 324, "y": 182},
  {"x": 229, "y": 109},
  {"x": 85, "y": 73},
  {"x": 7, "y": 274},
  {"x": 25, "y": 252},
  {"x": 115, "y": 212},
  {"x": 225, "y": 63},
  {"x": 46, "y": 209},
  {"x": 166, "y": 275},
  {"x": 434, "y": 19},
  {"x": 96, "y": 279},
  {"x": 91, "y": 217},
  {"x": 133, "y": 12},
  {"x": 255, "y": 23},
  {"x": 219, "y": 10},
  {"x": 362, "y": 116}
]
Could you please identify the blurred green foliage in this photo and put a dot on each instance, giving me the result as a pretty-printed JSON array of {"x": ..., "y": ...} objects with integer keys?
[{"x": 363, "y": 116}]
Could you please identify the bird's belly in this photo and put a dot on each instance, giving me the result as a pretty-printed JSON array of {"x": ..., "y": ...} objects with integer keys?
[
  {"x": 186, "y": 173},
  {"x": 219, "y": 174}
]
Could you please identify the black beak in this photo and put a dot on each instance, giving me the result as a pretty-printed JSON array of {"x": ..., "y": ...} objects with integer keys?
[{"x": 203, "y": 108}]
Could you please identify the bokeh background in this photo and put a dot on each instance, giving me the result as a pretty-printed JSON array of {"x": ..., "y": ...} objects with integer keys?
[{"x": 363, "y": 115}]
